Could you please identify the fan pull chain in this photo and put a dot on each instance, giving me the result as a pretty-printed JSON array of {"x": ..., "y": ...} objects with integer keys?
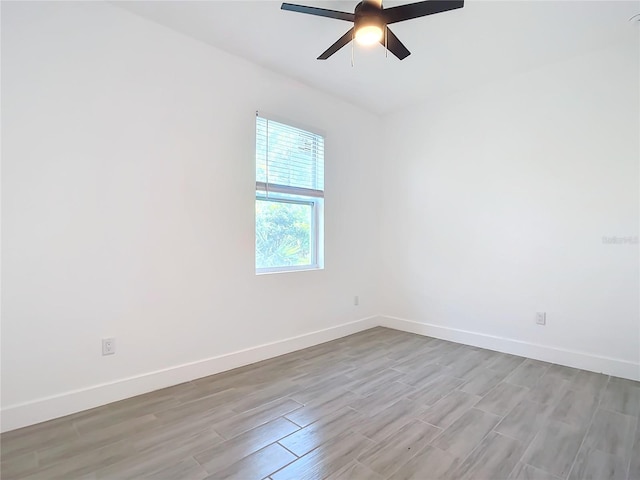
[
  {"x": 353, "y": 41},
  {"x": 386, "y": 43}
]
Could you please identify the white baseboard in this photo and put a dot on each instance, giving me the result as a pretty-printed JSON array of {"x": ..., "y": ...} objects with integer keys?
[
  {"x": 43, "y": 409},
  {"x": 571, "y": 358},
  {"x": 55, "y": 406}
]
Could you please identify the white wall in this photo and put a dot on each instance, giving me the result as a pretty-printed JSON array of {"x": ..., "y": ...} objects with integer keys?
[
  {"x": 495, "y": 206},
  {"x": 128, "y": 187}
]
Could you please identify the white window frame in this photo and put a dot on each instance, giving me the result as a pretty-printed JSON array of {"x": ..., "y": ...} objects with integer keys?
[
  {"x": 316, "y": 207},
  {"x": 300, "y": 196}
]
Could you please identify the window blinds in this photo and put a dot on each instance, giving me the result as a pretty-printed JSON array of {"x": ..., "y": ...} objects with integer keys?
[{"x": 288, "y": 160}]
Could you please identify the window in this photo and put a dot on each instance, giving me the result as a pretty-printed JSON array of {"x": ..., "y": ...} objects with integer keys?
[{"x": 289, "y": 197}]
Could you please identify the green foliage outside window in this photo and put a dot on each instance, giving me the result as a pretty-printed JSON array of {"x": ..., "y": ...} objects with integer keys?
[{"x": 283, "y": 234}]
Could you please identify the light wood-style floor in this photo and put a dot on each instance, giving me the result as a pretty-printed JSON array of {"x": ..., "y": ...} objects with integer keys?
[{"x": 378, "y": 404}]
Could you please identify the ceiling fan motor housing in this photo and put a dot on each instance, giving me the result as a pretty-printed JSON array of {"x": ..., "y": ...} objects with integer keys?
[{"x": 368, "y": 14}]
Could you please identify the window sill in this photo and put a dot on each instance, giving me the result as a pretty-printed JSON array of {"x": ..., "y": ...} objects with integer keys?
[{"x": 269, "y": 271}]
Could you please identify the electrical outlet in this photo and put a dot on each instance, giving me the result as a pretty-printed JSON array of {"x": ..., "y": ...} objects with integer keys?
[
  {"x": 108, "y": 346},
  {"x": 356, "y": 300},
  {"x": 541, "y": 318}
]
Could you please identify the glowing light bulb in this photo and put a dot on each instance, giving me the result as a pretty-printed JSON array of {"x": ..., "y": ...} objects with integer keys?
[{"x": 369, "y": 34}]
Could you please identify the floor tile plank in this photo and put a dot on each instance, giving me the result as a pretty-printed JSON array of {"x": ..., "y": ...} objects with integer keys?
[
  {"x": 484, "y": 380},
  {"x": 314, "y": 411},
  {"x": 554, "y": 448},
  {"x": 634, "y": 467},
  {"x": 622, "y": 397},
  {"x": 306, "y": 439},
  {"x": 187, "y": 469},
  {"x": 244, "y": 422},
  {"x": 528, "y": 373},
  {"x": 522, "y": 471},
  {"x": 594, "y": 464},
  {"x": 612, "y": 432},
  {"x": 463, "y": 435},
  {"x": 431, "y": 463},
  {"x": 502, "y": 398},
  {"x": 505, "y": 363},
  {"x": 224, "y": 455},
  {"x": 387, "y": 422},
  {"x": 327, "y": 459},
  {"x": 449, "y": 408},
  {"x": 259, "y": 464},
  {"x": 524, "y": 420},
  {"x": 494, "y": 458},
  {"x": 435, "y": 390},
  {"x": 355, "y": 471},
  {"x": 575, "y": 407},
  {"x": 388, "y": 455},
  {"x": 377, "y": 402},
  {"x": 548, "y": 390}
]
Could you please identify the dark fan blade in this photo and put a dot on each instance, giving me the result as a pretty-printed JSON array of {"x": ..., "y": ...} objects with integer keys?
[
  {"x": 395, "y": 46},
  {"x": 420, "y": 9},
  {"x": 320, "y": 12},
  {"x": 342, "y": 41}
]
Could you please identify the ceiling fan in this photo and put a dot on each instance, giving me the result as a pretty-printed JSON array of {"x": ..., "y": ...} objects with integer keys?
[{"x": 371, "y": 22}]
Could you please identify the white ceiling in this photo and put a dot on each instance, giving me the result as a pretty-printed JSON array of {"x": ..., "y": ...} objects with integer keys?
[{"x": 481, "y": 42}]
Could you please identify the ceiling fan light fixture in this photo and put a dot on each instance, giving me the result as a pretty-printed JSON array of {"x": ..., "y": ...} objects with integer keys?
[
  {"x": 370, "y": 21},
  {"x": 369, "y": 34}
]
